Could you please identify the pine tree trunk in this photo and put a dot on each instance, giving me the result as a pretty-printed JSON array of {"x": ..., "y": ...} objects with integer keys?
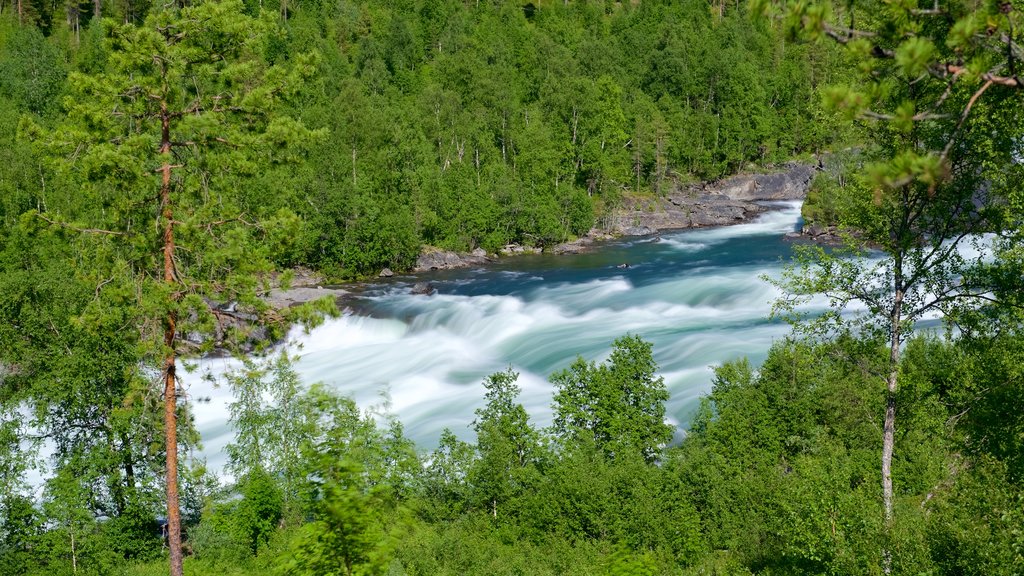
[{"x": 170, "y": 330}]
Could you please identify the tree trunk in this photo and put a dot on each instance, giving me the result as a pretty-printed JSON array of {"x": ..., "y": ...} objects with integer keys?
[
  {"x": 889, "y": 427},
  {"x": 170, "y": 330},
  {"x": 96, "y": 8}
]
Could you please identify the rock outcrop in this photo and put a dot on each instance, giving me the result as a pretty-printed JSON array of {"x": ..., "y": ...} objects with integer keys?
[
  {"x": 435, "y": 259},
  {"x": 279, "y": 298},
  {"x": 733, "y": 200}
]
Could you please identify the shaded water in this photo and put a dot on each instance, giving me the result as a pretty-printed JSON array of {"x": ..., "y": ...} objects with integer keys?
[{"x": 696, "y": 295}]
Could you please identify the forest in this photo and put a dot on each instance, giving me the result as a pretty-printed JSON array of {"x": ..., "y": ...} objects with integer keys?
[{"x": 163, "y": 166}]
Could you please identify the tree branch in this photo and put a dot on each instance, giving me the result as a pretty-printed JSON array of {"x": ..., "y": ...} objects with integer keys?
[{"x": 80, "y": 230}]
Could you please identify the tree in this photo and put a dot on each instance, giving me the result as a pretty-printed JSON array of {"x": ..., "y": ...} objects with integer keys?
[
  {"x": 509, "y": 446},
  {"x": 941, "y": 97},
  {"x": 188, "y": 97},
  {"x": 620, "y": 404}
]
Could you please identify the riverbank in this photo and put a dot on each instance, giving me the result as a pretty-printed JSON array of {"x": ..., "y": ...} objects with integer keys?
[{"x": 735, "y": 200}]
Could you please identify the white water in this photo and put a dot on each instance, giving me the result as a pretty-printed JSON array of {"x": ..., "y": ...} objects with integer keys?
[{"x": 696, "y": 295}]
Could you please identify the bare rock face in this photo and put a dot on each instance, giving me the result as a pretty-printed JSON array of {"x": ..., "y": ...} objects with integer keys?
[
  {"x": 731, "y": 201},
  {"x": 791, "y": 183},
  {"x": 279, "y": 298},
  {"x": 434, "y": 259}
]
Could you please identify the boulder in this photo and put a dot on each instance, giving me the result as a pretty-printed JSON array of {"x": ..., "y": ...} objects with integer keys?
[
  {"x": 435, "y": 259},
  {"x": 425, "y": 288},
  {"x": 574, "y": 247},
  {"x": 386, "y": 273},
  {"x": 438, "y": 260},
  {"x": 286, "y": 298}
]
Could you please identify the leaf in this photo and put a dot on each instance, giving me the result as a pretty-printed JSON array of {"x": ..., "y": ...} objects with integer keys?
[{"x": 914, "y": 56}]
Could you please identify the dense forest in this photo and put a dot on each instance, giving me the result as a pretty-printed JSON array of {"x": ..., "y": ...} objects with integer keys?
[
  {"x": 459, "y": 126},
  {"x": 161, "y": 164}
]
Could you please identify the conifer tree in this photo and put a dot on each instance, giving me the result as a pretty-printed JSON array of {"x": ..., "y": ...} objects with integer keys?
[{"x": 157, "y": 149}]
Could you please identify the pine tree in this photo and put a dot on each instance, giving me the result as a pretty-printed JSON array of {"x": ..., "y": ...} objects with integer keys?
[{"x": 157, "y": 149}]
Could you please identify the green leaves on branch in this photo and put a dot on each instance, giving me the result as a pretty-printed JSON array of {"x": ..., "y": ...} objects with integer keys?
[{"x": 914, "y": 56}]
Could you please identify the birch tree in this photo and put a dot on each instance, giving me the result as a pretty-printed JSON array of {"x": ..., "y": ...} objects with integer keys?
[{"x": 940, "y": 98}]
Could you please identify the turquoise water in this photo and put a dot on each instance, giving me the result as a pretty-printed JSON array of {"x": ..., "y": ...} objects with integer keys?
[{"x": 696, "y": 295}]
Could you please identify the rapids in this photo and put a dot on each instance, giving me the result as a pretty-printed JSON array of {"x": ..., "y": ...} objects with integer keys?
[{"x": 697, "y": 295}]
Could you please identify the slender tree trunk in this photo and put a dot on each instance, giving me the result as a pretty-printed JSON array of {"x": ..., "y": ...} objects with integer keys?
[
  {"x": 170, "y": 330},
  {"x": 96, "y": 8},
  {"x": 889, "y": 426}
]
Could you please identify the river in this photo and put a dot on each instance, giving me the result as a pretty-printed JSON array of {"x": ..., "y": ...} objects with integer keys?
[{"x": 696, "y": 295}]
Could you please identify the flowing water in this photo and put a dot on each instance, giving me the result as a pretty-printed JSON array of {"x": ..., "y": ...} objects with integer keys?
[{"x": 696, "y": 295}]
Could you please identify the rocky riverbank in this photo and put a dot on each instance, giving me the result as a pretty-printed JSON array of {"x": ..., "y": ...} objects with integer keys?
[
  {"x": 733, "y": 200},
  {"x": 302, "y": 286}
]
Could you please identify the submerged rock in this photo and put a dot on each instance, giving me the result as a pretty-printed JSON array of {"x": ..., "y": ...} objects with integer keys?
[{"x": 424, "y": 288}]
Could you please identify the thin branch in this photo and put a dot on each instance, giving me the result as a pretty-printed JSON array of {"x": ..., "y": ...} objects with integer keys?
[
  {"x": 1011, "y": 81},
  {"x": 81, "y": 230},
  {"x": 963, "y": 118}
]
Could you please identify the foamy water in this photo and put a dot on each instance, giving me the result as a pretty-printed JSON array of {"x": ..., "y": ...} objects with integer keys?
[{"x": 696, "y": 296}]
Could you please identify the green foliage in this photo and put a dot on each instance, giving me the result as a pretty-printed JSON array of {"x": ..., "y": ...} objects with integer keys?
[
  {"x": 509, "y": 448},
  {"x": 32, "y": 70},
  {"x": 259, "y": 511},
  {"x": 619, "y": 406},
  {"x": 349, "y": 535}
]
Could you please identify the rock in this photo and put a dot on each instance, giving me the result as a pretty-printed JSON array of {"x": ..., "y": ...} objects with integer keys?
[
  {"x": 636, "y": 231},
  {"x": 575, "y": 247},
  {"x": 386, "y": 273},
  {"x": 435, "y": 259},
  {"x": 730, "y": 201},
  {"x": 425, "y": 288},
  {"x": 300, "y": 277},
  {"x": 791, "y": 183},
  {"x": 438, "y": 260},
  {"x": 512, "y": 249},
  {"x": 287, "y": 298},
  {"x": 814, "y": 230}
]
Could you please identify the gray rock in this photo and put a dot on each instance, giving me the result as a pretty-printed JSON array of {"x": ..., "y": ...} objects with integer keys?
[
  {"x": 575, "y": 247},
  {"x": 386, "y": 273},
  {"x": 424, "y": 288},
  {"x": 636, "y": 231},
  {"x": 726, "y": 202},
  {"x": 287, "y": 298},
  {"x": 434, "y": 259},
  {"x": 438, "y": 260}
]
